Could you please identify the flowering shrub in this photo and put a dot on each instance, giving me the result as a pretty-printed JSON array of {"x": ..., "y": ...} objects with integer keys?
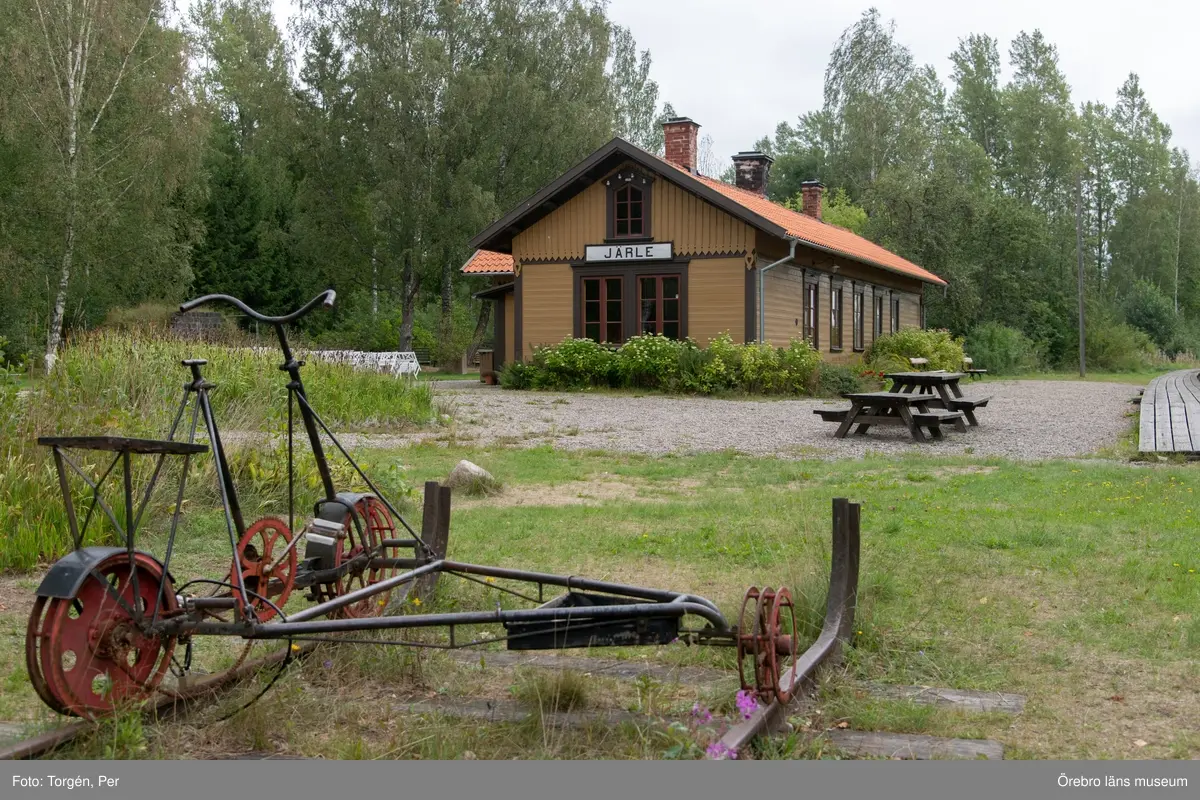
[
  {"x": 799, "y": 362},
  {"x": 649, "y": 361},
  {"x": 574, "y": 364},
  {"x": 655, "y": 362}
]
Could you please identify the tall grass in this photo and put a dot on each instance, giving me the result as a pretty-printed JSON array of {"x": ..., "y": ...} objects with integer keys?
[{"x": 130, "y": 384}]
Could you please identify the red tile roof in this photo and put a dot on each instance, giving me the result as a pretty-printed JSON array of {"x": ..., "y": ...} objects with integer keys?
[
  {"x": 487, "y": 262},
  {"x": 830, "y": 237}
]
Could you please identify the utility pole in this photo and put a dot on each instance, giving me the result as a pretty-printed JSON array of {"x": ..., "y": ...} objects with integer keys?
[
  {"x": 1079, "y": 253},
  {"x": 1179, "y": 233}
]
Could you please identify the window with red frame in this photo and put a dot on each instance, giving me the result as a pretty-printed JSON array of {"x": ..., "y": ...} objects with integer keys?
[
  {"x": 602, "y": 310},
  {"x": 629, "y": 212},
  {"x": 659, "y": 302}
]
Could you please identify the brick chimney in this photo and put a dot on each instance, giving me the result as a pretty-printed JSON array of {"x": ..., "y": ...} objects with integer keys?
[
  {"x": 752, "y": 169},
  {"x": 679, "y": 134},
  {"x": 810, "y": 198}
]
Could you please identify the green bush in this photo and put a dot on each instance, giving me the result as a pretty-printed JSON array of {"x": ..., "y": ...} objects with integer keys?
[
  {"x": 574, "y": 364},
  {"x": 1186, "y": 344},
  {"x": 1117, "y": 347},
  {"x": 834, "y": 380},
  {"x": 517, "y": 375},
  {"x": 800, "y": 362},
  {"x": 1150, "y": 311},
  {"x": 762, "y": 369},
  {"x": 1053, "y": 341},
  {"x": 1001, "y": 350},
  {"x": 693, "y": 369},
  {"x": 892, "y": 351},
  {"x": 650, "y": 362},
  {"x": 724, "y": 368},
  {"x": 655, "y": 362},
  {"x": 9, "y": 369}
]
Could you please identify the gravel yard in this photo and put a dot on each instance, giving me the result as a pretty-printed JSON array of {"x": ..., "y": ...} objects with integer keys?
[{"x": 1025, "y": 420}]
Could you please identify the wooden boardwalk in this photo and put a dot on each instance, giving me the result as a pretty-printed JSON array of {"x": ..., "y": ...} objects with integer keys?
[{"x": 1171, "y": 414}]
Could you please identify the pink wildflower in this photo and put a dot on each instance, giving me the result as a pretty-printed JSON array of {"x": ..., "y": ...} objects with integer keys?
[
  {"x": 717, "y": 751},
  {"x": 746, "y": 704}
]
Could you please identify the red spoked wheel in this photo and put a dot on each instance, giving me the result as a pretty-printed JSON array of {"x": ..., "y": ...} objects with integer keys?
[
  {"x": 363, "y": 532},
  {"x": 751, "y": 622},
  {"x": 376, "y": 525},
  {"x": 34, "y": 637},
  {"x": 784, "y": 642},
  {"x": 767, "y": 637},
  {"x": 267, "y": 561},
  {"x": 93, "y": 651}
]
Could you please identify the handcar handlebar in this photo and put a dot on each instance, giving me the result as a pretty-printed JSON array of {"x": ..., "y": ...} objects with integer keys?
[{"x": 325, "y": 298}]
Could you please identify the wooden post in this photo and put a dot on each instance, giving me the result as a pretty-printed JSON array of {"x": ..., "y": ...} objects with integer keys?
[{"x": 435, "y": 530}]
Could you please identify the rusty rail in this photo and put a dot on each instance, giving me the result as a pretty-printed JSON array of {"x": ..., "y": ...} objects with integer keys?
[
  {"x": 837, "y": 629},
  {"x": 45, "y": 742}
]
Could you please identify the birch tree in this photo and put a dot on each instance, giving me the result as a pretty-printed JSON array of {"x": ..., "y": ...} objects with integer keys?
[{"x": 104, "y": 85}]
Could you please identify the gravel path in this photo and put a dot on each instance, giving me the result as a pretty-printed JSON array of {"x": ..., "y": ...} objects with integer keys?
[{"x": 1026, "y": 420}]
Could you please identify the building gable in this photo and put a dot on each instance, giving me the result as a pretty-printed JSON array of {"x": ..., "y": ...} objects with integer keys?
[{"x": 694, "y": 226}]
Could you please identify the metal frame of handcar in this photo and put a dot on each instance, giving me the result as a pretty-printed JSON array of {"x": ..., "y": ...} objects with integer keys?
[{"x": 352, "y": 563}]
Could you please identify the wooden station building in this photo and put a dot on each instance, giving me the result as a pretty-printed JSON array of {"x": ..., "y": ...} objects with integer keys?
[{"x": 626, "y": 243}]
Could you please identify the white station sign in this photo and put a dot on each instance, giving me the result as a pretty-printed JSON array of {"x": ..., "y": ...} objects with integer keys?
[{"x": 656, "y": 251}]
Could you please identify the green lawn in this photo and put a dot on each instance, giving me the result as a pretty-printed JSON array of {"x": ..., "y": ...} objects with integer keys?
[
  {"x": 449, "y": 376},
  {"x": 1138, "y": 378},
  {"x": 1075, "y": 583}
]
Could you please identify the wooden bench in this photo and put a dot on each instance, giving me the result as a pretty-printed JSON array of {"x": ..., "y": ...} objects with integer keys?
[
  {"x": 970, "y": 369},
  {"x": 831, "y": 414},
  {"x": 965, "y": 405},
  {"x": 935, "y": 419},
  {"x": 918, "y": 363}
]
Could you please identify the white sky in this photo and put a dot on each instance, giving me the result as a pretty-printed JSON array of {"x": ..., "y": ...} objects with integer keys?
[{"x": 739, "y": 67}]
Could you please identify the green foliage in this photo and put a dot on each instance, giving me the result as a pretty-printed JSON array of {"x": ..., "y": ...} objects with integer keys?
[
  {"x": 144, "y": 318},
  {"x": 1051, "y": 337},
  {"x": 517, "y": 375},
  {"x": 1115, "y": 346},
  {"x": 1150, "y": 311},
  {"x": 1001, "y": 350},
  {"x": 574, "y": 364},
  {"x": 651, "y": 362},
  {"x": 655, "y": 362},
  {"x": 834, "y": 380},
  {"x": 975, "y": 181},
  {"x": 10, "y": 366},
  {"x": 892, "y": 351},
  {"x": 836, "y": 209},
  {"x": 1186, "y": 343}
]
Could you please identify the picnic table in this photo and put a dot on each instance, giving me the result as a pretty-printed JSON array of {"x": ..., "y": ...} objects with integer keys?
[
  {"x": 941, "y": 388},
  {"x": 910, "y": 410}
]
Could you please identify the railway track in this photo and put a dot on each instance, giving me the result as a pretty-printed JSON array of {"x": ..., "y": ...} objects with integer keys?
[{"x": 768, "y": 717}]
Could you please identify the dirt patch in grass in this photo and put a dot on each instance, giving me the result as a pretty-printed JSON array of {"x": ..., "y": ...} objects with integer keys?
[
  {"x": 16, "y": 594},
  {"x": 966, "y": 470},
  {"x": 575, "y": 493},
  {"x": 591, "y": 492}
]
